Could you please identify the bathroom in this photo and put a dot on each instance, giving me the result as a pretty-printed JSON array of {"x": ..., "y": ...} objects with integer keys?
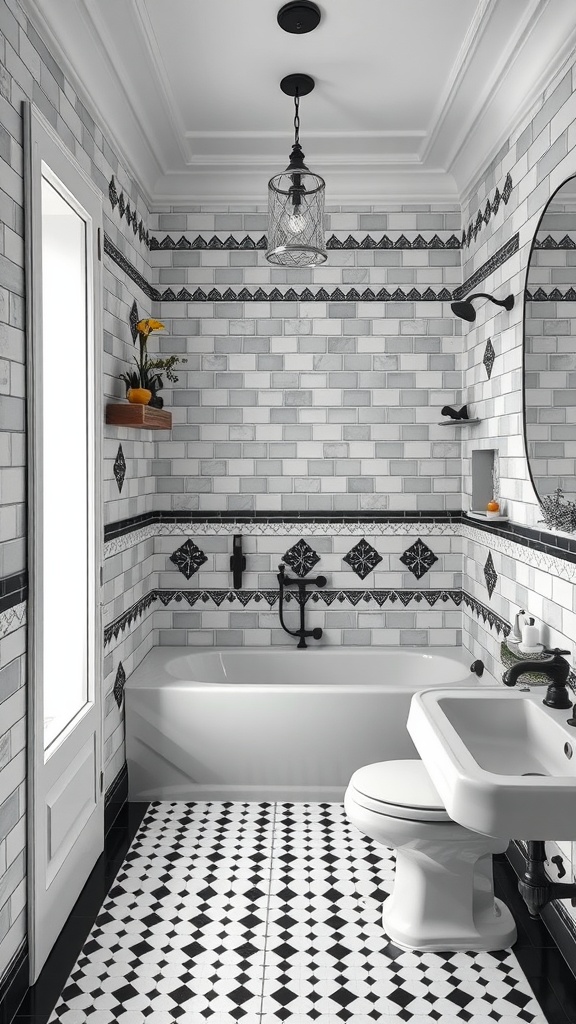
[{"x": 306, "y": 428}]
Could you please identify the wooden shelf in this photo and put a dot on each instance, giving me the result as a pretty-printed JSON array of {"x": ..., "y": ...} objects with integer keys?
[{"x": 145, "y": 417}]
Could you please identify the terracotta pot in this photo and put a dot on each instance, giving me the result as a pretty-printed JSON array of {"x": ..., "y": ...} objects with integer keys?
[{"x": 139, "y": 396}]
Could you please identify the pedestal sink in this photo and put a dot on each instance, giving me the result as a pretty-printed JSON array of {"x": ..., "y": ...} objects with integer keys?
[{"x": 501, "y": 761}]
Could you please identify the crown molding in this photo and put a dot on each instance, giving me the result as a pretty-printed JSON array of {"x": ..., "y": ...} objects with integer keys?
[
  {"x": 543, "y": 49},
  {"x": 109, "y": 111},
  {"x": 122, "y": 80}
]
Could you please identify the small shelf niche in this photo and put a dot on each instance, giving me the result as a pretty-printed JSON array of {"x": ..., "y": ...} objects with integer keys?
[
  {"x": 483, "y": 478},
  {"x": 144, "y": 417}
]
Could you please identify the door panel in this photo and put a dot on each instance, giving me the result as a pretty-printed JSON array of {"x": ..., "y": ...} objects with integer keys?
[{"x": 66, "y": 819}]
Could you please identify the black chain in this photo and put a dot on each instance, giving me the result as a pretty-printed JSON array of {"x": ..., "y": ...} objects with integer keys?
[{"x": 296, "y": 117}]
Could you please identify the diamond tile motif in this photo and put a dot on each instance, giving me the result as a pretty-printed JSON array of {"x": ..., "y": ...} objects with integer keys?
[
  {"x": 488, "y": 358},
  {"x": 112, "y": 192},
  {"x": 133, "y": 318},
  {"x": 120, "y": 467},
  {"x": 362, "y": 558},
  {"x": 418, "y": 558},
  {"x": 119, "y": 683},
  {"x": 268, "y": 913},
  {"x": 188, "y": 558},
  {"x": 490, "y": 575},
  {"x": 301, "y": 558}
]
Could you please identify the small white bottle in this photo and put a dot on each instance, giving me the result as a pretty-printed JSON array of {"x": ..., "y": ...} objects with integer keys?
[{"x": 530, "y": 638}]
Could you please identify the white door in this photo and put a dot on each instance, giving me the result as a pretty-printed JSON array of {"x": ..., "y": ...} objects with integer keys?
[{"x": 66, "y": 830}]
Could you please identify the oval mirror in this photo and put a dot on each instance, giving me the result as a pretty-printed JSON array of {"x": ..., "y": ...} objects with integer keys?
[{"x": 550, "y": 360}]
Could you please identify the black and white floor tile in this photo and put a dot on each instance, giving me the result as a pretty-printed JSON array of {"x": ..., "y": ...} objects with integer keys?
[{"x": 264, "y": 914}]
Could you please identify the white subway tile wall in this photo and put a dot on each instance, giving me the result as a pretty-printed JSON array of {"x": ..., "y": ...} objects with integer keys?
[
  {"x": 28, "y": 71},
  {"x": 286, "y": 404}
]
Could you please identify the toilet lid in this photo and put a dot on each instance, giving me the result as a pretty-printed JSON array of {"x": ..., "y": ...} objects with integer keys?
[{"x": 402, "y": 789}]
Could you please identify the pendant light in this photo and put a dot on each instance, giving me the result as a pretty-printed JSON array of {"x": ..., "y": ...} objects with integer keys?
[{"x": 296, "y": 199}]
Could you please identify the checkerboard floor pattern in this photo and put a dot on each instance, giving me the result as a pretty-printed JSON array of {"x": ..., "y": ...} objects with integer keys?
[{"x": 265, "y": 913}]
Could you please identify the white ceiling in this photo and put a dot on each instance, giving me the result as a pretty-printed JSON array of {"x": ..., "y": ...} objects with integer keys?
[{"x": 412, "y": 97}]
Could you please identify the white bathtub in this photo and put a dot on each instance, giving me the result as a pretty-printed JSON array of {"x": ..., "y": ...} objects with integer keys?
[{"x": 273, "y": 724}]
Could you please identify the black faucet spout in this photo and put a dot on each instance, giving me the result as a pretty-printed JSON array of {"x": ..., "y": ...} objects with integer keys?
[{"x": 555, "y": 667}]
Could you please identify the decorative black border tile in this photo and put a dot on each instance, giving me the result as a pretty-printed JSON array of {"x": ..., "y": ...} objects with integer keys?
[
  {"x": 490, "y": 210},
  {"x": 554, "y": 295},
  {"x": 527, "y": 536},
  {"x": 247, "y": 243},
  {"x": 270, "y": 597},
  {"x": 488, "y": 616},
  {"x": 306, "y": 295},
  {"x": 121, "y": 261},
  {"x": 550, "y": 243},
  {"x": 124, "y": 526},
  {"x": 125, "y": 211},
  {"x": 495, "y": 261}
]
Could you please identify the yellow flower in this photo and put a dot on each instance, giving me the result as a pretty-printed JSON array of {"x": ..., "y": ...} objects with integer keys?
[{"x": 145, "y": 327}]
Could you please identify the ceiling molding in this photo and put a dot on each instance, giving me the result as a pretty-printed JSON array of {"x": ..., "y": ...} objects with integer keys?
[
  {"x": 165, "y": 89},
  {"x": 469, "y": 46},
  {"x": 490, "y": 130},
  {"x": 510, "y": 51},
  {"x": 136, "y": 154},
  {"x": 496, "y": 80}
]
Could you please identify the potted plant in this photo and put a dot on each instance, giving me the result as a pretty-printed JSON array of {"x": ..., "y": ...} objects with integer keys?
[{"x": 144, "y": 383}]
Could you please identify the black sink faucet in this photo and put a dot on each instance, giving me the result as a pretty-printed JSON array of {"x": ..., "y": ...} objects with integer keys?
[
  {"x": 555, "y": 667},
  {"x": 289, "y": 581}
]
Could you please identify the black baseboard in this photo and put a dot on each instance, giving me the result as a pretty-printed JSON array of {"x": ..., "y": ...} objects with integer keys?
[
  {"x": 14, "y": 984},
  {"x": 560, "y": 925},
  {"x": 116, "y": 797}
]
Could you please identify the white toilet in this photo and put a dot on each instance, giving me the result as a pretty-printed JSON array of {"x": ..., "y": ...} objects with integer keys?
[{"x": 443, "y": 896}]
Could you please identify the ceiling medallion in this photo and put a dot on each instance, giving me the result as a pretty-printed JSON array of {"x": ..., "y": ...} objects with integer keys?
[{"x": 299, "y": 17}]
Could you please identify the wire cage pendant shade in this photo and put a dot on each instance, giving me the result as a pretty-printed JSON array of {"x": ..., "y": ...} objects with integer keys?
[{"x": 296, "y": 204}]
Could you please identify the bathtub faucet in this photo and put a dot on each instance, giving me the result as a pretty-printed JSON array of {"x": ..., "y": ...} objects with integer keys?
[{"x": 289, "y": 581}]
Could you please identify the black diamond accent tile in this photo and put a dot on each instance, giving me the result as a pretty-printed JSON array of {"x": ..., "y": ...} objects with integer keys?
[
  {"x": 362, "y": 558},
  {"x": 133, "y": 318},
  {"x": 119, "y": 684},
  {"x": 301, "y": 558},
  {"x": 188, "y": 558},
  {"x": 418, "y": 558},
  {"x": 488, "y": 358},
  {"x": 112, "y": 192},
  {"x": 490, "y": 575},
  {"x": 120, "y": 467}
]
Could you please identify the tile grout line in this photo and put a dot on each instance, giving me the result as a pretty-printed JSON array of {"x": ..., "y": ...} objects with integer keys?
[{"x": 268, "y": 902}]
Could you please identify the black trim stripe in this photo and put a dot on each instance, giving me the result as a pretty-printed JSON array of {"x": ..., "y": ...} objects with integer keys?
[
  {"x": 527, "y": 536},
  {"x": 13, "y": 590},
  {"x": 495, "y": 261},
  {"x": 124, "y": 526}
]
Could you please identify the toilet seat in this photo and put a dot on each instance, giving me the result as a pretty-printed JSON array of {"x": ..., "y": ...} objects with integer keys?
[{"x": 401, "y": 789}]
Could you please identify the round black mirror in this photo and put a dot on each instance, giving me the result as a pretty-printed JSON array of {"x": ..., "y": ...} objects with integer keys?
[{"x": 550, "y": 360}]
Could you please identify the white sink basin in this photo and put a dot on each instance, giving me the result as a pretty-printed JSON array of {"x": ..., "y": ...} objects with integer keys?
[{"x": 500, "y": 761}]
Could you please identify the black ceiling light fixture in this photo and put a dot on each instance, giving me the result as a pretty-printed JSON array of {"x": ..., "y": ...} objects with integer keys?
[
  {"x": 296, "y": 195},
  {"x": 299, "y": 17},
  {"x": 465, "y": 310}
]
